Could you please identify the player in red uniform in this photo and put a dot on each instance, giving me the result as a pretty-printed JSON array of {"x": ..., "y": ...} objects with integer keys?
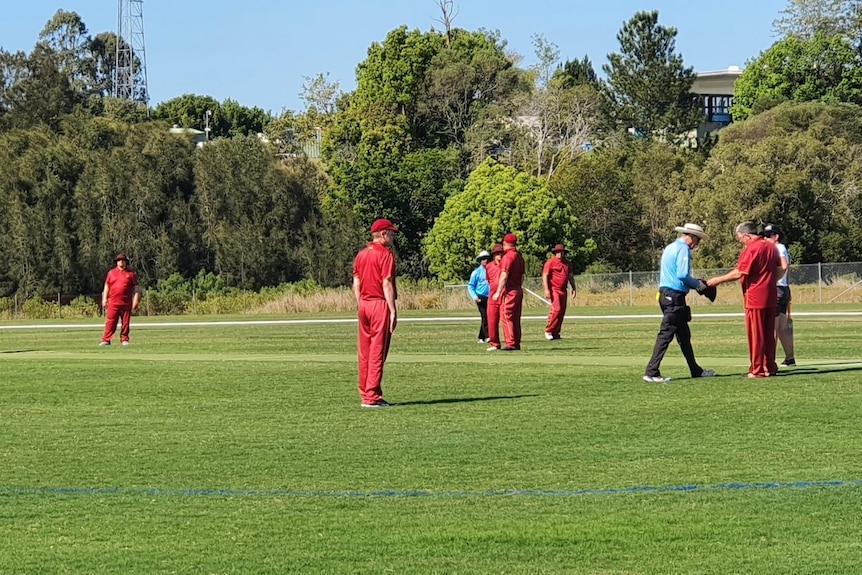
[
  {"x": 758, "y": 269},
  {"x": 509, "y": 292},
  {"x": 556, "y": 277},
  {"x": 376, "y": 291},
  {"x": 492, "y": 270},
  {"x": 119, "y": 297}
]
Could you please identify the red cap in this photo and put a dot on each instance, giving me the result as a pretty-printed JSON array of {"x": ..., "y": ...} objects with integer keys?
[
  {"x": 383, "y": 225},
  {"x": 510, "y": 239},
  {"x": 559, "y": 248},
  {"x": 497, "y": 249},
  {"x": 121, "y": 257}
]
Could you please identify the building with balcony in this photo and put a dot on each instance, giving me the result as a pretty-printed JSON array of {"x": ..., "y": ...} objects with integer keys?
[{"x": 716, "y": 92}]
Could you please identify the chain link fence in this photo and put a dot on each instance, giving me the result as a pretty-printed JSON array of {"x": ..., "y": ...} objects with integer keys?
[{"x": 810, "y": 283}]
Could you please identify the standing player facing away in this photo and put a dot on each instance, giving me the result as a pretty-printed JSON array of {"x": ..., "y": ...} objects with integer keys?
[
  {"x": 492, "y": 270},
  {"x": 675, "y": 281},
  {"x": 509, "y": 293},
  {"x": 783, "y": 325},
  {"x": 479, "y": 291},
  {"x": 757, "y": 268},
  {"x": 375, "y": 290},
  {"x": 119, "y": 297},
  {"x": 556, "y": 277}
]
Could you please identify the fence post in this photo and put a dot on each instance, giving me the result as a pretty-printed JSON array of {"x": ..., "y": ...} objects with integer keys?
[
  {"x": 631, "y": 289},
  {"x": 59, "y": 309},
  {"x": 820, "y": 281}
]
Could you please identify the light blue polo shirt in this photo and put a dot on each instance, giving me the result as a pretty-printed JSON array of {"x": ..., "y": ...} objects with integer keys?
[{"x": 676, "y": 267}]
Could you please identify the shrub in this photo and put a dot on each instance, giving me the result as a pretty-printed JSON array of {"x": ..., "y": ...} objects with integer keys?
[
  {"x": 6, "y": 306},
  {"x": 83, "y": 306},
  {"x": 37, "y": 308}
]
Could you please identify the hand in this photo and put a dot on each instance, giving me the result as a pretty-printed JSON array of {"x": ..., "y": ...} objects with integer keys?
[
  {"x": 393, "y": 320},
  {"x": 495, "y": 297},
  {"x": 711, "y": 282},
  {"x": 477, "y": 300},
  {"x": 547, "y": 294},
  {"x": 574, "y": 293},
  {"x": 701, "y": 286}
]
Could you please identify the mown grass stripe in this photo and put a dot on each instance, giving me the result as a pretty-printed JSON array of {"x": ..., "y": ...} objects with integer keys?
[{"x": 637, "y": 489}]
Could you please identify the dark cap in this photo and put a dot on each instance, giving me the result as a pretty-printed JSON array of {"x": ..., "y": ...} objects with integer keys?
[
  {"x": 121, "y": 257},
  {"x": 383, "y": 225},
  {"x": 559, "y": 248},
  {"x": 771, "y": 230},
  {"x": 510, "y": 239},
  {"x": 497, "y": 249}
]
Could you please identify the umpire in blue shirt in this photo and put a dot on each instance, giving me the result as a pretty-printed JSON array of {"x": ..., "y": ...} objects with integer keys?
[
  {"x": 675, "y": 281},
  {"x": 479, "y": 290}
]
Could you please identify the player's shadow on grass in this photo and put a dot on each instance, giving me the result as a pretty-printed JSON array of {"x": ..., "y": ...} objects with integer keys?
[
  {"x": 464, "y": 399},
  {"x": 18, "y": 351},
  {"x": 815, "y": 370}
]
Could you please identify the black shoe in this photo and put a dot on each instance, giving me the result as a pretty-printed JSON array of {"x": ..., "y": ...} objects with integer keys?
[
  {"x": 378, "y": 403},
  {"x": 789, "y": 362}
]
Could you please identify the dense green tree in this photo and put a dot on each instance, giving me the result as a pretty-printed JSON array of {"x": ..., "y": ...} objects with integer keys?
[
  {"x": 66, "y": 35},
  {"x": 823, "y": 68},
  {"x": 599, "y": 190},
  {"x": 38, "y": 172},
  {"x": 224, "y": 120},
  {"x": 629, "y": 198},
  {"x": 797, "y": 165},
  {"x": 498, "y": 199},
  {"x": 34, "y": 90},
  {"x": 576, "y": 73},
  {"x": 470, "y": 80},
  {"x": 394, "y": 148},
  {"x": 648, "y": 85},
  {"x": 253, "y": 212}
]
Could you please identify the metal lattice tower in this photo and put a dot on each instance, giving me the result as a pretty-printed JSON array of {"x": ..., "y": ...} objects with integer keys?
[{"x": 130, "y": 65}]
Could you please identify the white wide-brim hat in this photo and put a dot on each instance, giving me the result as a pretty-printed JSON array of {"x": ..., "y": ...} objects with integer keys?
[
  {"x": 483, "y": 255},
  {"x": 692, "y": 229}
]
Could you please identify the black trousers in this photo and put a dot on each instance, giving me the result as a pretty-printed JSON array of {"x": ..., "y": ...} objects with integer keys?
[
  {"x": 482, "y": 304},
  {"x": 674, "y": 323}
]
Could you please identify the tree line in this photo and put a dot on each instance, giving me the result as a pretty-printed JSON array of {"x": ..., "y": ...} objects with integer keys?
[{"x": 448, "y": 135}]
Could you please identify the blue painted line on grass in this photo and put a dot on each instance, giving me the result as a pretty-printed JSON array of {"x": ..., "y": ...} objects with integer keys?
[{"x": 691, "y": 488}]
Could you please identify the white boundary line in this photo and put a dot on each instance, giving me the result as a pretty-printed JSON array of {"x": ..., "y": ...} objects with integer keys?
[{"x": 142, "y": 325}]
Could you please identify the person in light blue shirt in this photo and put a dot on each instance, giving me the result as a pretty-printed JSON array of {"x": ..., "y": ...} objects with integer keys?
[
  {"x": 479, "y": 290},
  {"x": 675, "y": 281}
]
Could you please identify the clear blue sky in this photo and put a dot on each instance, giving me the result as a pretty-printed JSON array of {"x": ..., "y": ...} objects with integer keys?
[{"x": 257, "y": 51}]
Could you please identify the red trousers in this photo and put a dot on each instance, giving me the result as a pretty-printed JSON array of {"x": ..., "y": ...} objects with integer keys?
[
  {"x": 760, "y": 326},
  {"x": 372, "y": 347},
  {"x": 113, "y": 313},
  {"x": 559, "y": 300},
  {"x": 493, "y": 322},
  {"x": 511, "y": 315}
]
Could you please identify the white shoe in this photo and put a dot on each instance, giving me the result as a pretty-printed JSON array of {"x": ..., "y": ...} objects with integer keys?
[
  {"x": 549, "y": 336},
  {"x": 125, "y": 344},
  {"x": 493, "y": 348},
  {"x": 708, "y": 373},
  {"x": 656, "y": 379},
  {"x": 104, "y": 343}
]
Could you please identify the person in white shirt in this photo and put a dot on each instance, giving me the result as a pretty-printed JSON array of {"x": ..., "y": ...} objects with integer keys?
[{"x": 783, "y": 323}]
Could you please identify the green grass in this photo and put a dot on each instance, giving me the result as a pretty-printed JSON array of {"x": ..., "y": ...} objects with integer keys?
[{"x": 243, "y": 449}]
